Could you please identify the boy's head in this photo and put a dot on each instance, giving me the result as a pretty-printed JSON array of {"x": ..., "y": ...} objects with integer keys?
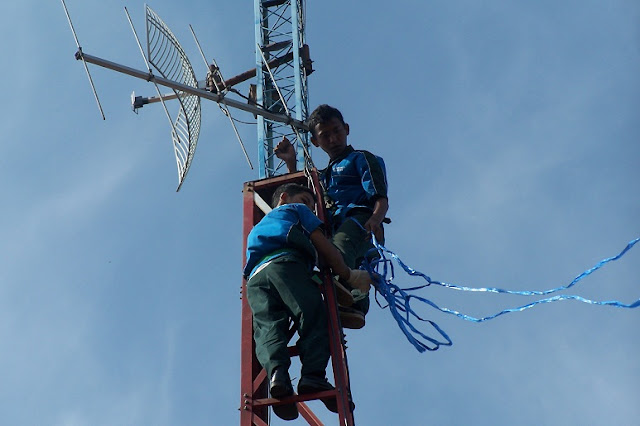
[
  {"x": 291, "y": 193},
  {"x": 328, "y": 130}
]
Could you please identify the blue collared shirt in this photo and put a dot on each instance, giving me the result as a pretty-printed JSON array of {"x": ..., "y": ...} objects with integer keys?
[
  {"x": 284, "y": 230},
  {"x": 356, "y": 179}
]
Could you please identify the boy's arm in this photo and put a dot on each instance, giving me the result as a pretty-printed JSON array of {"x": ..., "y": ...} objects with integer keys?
[
  {"x": 285, "y": 151},
  {"x": 357, "y": 278},
  {"x": 380, "y": 209},
  {"x": 374, "y": 183}
]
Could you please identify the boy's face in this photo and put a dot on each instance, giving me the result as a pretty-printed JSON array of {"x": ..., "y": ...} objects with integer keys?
[
  {"x": 301, "y": 198},
  {"x": 331, "y": 137}
]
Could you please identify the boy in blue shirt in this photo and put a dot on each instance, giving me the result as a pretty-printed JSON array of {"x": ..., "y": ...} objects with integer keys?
[
  {"x": 282, "y": 250},
  {"x": 355, "y": 186}
]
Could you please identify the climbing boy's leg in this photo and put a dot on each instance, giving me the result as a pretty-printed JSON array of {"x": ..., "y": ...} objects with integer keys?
[
  {"x": 354, "y": 243},
  {"x": 271, "y": 333},
  {"x": 270, "y": 322},
  {"x": 304, "y": 300}
]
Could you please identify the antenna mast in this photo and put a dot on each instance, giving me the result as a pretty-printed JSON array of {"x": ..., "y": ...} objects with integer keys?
[{"x": 280, "y": 34}]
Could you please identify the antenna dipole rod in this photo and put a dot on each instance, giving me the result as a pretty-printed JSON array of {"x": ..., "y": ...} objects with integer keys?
[
  {"x": 204, "y": 58},
  {"x": 226, "y": 112},
  {"x": 135, "y": 35},
  {"x": 223, "y": 107},
  {"x": 86, "y": 68}
]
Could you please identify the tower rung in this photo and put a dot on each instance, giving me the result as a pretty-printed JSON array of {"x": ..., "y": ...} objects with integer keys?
[
  {"x": 273, "y": 3},
  {"x": 277, "y": 46}
]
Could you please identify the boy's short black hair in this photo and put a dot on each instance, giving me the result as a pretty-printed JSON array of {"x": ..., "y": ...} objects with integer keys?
[
  {"x": 290, "y": 189},
  {"x": 321, "y": 115}
]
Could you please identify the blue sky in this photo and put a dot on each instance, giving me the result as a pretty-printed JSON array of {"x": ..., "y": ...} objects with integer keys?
[{"x": 510, "y": 133}]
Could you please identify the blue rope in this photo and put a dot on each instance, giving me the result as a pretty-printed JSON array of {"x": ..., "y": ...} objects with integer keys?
[{"x": 399, "y": 300}]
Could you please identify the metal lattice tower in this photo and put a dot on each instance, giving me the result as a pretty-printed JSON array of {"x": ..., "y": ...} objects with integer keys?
[{"x": 280, "y": 36}]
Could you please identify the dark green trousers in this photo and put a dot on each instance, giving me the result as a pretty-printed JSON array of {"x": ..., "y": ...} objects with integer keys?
[
  {"x": 354, "y": 243},
  {"x": 281, "y": 291}
]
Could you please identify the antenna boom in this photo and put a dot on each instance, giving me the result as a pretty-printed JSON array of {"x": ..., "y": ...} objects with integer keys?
[{"x": 215, "y": 97}]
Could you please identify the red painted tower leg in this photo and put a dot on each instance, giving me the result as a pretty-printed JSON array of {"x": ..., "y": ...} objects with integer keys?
[{"x": 254, "y": 401}]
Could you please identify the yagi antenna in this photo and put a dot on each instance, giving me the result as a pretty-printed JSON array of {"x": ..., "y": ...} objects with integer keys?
[{"x": 165, "y": 54}]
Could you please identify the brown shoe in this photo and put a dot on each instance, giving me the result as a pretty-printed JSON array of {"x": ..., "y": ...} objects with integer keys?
[
  {"x": 343, "y": 294},
  {"x": 351, "y": 318}
]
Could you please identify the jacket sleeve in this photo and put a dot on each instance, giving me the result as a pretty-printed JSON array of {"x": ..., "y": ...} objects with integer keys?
[{"x": 373, "y": 175}]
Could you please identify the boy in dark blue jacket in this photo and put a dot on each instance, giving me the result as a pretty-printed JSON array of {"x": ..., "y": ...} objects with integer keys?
[
  {"x": 282, "y": 250},
  {"x": 355, "y": 186}
]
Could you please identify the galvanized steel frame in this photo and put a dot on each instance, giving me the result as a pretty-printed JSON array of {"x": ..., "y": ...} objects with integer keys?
[{"x": 280, "y": 30}]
